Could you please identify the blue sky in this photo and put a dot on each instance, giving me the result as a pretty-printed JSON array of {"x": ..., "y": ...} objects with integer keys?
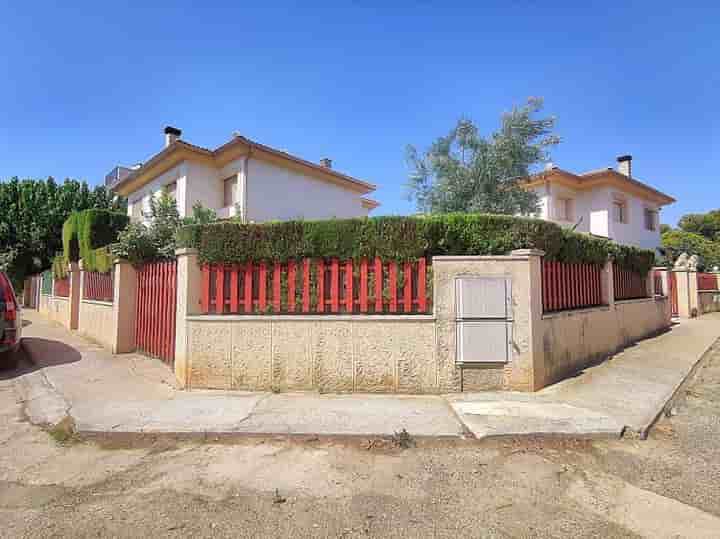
[{"x": 86, "y": 86}]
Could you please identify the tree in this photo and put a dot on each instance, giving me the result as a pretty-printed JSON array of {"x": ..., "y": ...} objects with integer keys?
[
  {"x": 32, "y": 213},
  {"x": 464, "y": 172},
  {"x": 704, "y": 224},
  {"x": 156, "y": 240}
]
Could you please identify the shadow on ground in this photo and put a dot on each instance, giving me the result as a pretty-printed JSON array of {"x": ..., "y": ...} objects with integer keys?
[{"x": 36, "y": 354}]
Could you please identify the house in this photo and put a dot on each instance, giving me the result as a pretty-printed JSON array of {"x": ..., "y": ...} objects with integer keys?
[
  {"x": 605, "y": 202},
  {"x": 259, "y": 182}
]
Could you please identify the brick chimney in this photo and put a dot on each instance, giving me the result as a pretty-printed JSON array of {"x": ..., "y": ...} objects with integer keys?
[
  {"x": 625, "y": 165},
  {"x": 326, "y": 162},
  {"x": 171, "y": 135}
]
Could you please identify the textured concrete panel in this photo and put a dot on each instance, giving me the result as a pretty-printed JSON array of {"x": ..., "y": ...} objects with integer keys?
[
  {"x": 251, "y": 356},
  {"x": 97, "y": 322},
  {"x": 210, "y": 359},
  {"x": 291, "y": 355},
  {"x": 375, "y": 359},
  {"x": 483, "y": 378},
  {"x": 332, "y": 351}
]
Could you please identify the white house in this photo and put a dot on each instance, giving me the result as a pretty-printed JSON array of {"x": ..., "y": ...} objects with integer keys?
[
  {"x": 260, "y": 182},
  {"x": 606, "y": 202}
]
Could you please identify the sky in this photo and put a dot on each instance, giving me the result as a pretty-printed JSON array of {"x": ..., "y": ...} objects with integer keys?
[{"x": 88, "y": 85}]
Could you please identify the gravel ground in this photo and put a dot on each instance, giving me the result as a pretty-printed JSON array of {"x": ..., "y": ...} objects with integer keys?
[{"x": 666, "y": 486}]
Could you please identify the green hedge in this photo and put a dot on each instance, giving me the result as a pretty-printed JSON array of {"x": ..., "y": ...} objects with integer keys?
[
  {"x": 402, "y": 238},
  {"x": 87, "y": 233},
  {"x": 59, "y": 267}
]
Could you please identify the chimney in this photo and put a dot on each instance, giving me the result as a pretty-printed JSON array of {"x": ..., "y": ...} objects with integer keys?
[
  {"x": 326, "y": 162},
  {"x": 625, "y": 165},
  {"x": 171, "y": 135}
]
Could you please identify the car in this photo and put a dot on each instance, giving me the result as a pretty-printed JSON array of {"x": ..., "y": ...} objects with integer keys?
[{"x": 10, "y": 323}]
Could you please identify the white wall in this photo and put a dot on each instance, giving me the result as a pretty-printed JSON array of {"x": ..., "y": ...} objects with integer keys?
[
  {"x": 634, "y": 232},
  {"x": 275, "y": 192},
  {"x": 596, "y": 209},
  {"x": 139, "y": 201}
]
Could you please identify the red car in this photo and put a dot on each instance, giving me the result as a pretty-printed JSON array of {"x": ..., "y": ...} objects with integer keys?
[{"x": 10, "y": 324}]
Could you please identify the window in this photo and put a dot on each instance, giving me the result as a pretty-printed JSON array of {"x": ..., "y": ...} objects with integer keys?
[
  {"x": 620, "y": 211},
  {"x": 229, "y": 191},
  {"x": 172, "y": 189},
  {"x": 651, "y": 219},
  {"x": 565, "y": 210}
]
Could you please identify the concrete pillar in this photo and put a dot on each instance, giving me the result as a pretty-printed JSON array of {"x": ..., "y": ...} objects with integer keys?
[
  {"x": 538, "y": 377},
  {"x": 608, "y": 284},
  {"x": 124, "y": 305},
  {"x": 687, "y": 291},
  {"x": 189, "y": 279},
  {"x": 75, "y": 292},
  {"x": 665, "y": 279}
]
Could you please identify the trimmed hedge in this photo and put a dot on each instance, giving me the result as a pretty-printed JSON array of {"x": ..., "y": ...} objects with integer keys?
[
  {"x": 401, "y": 239},
  {"x": 86, "y": 235},
  {"x": 59, "y": 267}
]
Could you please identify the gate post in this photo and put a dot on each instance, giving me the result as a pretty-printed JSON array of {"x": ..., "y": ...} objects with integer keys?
[
  {"x": 124, "y": 304},
  {"x": 75, "y": 291},
  {"x": 687, "y": 292},
  {"x": 189, "y": 277}
]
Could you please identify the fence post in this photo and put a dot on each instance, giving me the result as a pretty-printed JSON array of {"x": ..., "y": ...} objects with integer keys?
[
  {"x": 608, "y": 284},
  {"x": 537, "y": 376},
  {"x": 687, "y": 292},
  {"x": 75, "y": 291},
  {"x": 189, "y": 277},
  {"x": 124, "y": 305}
]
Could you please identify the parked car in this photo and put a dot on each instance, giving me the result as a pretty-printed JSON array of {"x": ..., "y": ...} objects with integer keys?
[{"x": 10, "y": 323}]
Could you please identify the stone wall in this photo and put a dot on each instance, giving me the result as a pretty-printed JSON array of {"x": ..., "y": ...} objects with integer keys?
[
  {"x": 324, "y": 353},
  {"x": 58, "y": 310},
  {"x": 708, "y": 301},
  {"x": 97, "y": 322},
  {"x": 572, "y": 340}
]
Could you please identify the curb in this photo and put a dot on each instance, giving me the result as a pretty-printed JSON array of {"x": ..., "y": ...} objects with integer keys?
[{"x": 682, "y": 384}]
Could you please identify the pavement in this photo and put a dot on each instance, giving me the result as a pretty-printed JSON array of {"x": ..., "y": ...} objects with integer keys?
[{"x": 103, "y": 393}]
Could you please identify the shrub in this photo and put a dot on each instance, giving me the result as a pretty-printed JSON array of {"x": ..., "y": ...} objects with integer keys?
[
  {"x": 59, "y": 267},
  {"x": 676, "y": 242},
  {"x": 401, "y": 239},
  {"x": 85, "y": 233},
  {"x": 139, "y": 243}
]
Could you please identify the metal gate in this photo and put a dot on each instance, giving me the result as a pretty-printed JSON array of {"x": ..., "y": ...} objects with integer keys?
[
  {"x": 155, "y": 316},
  {"x": 672, "y": 282}
]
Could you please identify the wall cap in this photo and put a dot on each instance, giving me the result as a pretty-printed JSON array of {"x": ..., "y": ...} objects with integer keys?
[
  {"x": 186, "y": 251},
  {"x": 528, "y": 252},
  {"x": 477, "y": 258},
  {"x": 311, "y": 317}
]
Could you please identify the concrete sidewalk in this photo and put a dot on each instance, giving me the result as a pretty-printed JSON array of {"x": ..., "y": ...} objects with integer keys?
[{"x": 131, "y": 393}]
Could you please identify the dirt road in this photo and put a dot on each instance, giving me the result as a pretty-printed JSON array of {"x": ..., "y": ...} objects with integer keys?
[{"x": 666, "y": 486}]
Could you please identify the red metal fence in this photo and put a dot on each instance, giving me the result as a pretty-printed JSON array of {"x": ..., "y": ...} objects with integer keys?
[
  {"x": 628, "y": 284},
  {"x": 61, "y": 287},
  {"x": 570, "y": 286},
  {"x": 155, "y": 315},
  {"x": 317, "y": 287},
  {"x": 98, "y": 286},
  {"x": 707, "y": 281}
]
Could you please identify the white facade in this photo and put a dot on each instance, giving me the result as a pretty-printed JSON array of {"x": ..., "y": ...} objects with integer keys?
[
  {"x": 266, "y": 191},
  {"x": 597, "y": 211}
]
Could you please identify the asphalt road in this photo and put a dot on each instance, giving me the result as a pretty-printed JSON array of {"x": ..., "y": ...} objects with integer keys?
[{"x": 666, "y": 486}]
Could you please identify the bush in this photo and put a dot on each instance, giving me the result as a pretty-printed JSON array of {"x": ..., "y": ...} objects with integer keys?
[
  {"x": 139, "y": 243},
  {"x": 401, "y": 239},
  {"x": 85, "y": 233},
  {"x": 676, "y": 242},
  {"x": 59, "y": 267}
]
